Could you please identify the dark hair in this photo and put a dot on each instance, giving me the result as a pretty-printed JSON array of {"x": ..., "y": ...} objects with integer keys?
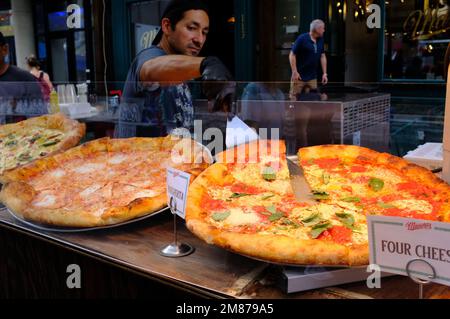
[
  {"x": 33, "y": 62},
  {"x": 2, "y": 39},
  {"x": 175, "y": 13}
]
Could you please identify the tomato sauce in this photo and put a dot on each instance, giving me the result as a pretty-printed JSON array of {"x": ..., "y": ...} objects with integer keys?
[
  {"x": 338, "y": 234},
  {"x": 328, "y": 163},
  {"x": 358, "y": 169}
]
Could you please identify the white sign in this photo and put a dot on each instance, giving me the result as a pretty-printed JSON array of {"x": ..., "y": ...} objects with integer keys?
[
  {"x": 422, "y": 247},
  {"x": 177, "y": 191}
]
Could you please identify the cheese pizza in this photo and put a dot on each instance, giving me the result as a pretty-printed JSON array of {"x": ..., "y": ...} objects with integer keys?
[
  {"x": 100, "y": 183},
  {"x": 245, "y": 202},
  {"x": 26, "y": 141}
]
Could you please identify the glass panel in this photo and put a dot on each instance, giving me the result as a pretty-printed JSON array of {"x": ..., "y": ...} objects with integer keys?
[
  {"x": 80, "y": 55},
  {"x": 416, "y": 39},
  {"x": 60, "y": 60},
  {"x": 40, "y": 18},
  {"x": 42, "y": 48}
]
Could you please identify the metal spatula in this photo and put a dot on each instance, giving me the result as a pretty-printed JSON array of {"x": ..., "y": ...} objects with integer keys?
[{"x": 301, "y": 188}]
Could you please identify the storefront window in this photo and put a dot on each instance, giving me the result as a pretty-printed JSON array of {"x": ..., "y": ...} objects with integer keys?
[
  {"x": 57, "y": 17},
  {"x": 416, "y": 38}
]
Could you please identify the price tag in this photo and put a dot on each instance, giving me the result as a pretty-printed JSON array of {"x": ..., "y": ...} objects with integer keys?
[
  {"x": 410, "y": 247},
  {"x": 177, "y": 190}
]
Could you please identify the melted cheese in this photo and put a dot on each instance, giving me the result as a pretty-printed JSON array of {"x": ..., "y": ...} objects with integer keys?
[
  {"x": 46, "y": 201},
  {"x": 414, "y": 205},
  {"x": 117, "y": 159},
  {"x": 89, "y": 168},
  {"x": 239, "y": 218}
]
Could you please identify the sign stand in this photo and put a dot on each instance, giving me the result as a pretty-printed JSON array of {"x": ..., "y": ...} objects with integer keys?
[
  {"x": 421, "y": 282},
  {"x": 176, "y": 249}
]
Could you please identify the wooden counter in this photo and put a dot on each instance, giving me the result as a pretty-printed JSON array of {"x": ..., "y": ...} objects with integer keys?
[{"x": 133, "y": 250}]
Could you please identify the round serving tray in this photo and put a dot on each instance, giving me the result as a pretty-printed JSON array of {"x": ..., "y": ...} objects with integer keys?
[{"x": 46, "y": 228}]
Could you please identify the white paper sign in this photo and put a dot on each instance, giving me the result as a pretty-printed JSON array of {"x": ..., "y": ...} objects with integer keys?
[
  {"x": 239, "y": 133},
  {"x": 177, "y": 190},
  {"x": 396, "y": 242}
]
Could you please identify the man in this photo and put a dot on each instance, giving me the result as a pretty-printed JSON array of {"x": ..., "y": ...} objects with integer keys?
[
  {"x": 307, "y": 52},
  {"x": 156, "y": 101},
  {"x": 19, "y": 89}
]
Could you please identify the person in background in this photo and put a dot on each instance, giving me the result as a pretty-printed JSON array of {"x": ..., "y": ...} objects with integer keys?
[
  {"x": 20, "y": 93},
  {"x": 42, "y": 77},
  {"x": 305, "y": 56},
  {"x": 156, "y": 100}
]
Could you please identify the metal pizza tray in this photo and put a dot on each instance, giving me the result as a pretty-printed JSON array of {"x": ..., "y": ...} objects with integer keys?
[{"x": 47, "y": 228}]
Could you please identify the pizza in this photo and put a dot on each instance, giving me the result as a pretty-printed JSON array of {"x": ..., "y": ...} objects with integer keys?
[
  {"x": 245, "y": 202},
  {"x": 26, "y": 141},
  {"x": 103, "y": 182}
]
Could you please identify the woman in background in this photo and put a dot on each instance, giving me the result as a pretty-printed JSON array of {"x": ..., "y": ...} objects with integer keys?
[{"x": 43, "y": 78}]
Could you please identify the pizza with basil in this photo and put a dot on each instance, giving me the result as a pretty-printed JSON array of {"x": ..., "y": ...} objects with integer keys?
[
  {"x": 104, "y": 182},
  {"x": 245, "y": 202},
  {"x": 26, "y": 141}
]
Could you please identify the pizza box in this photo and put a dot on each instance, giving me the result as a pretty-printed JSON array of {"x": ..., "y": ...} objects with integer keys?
[
  {"x": 298, "y": 279},
  {"x": 429, "y": 155}
]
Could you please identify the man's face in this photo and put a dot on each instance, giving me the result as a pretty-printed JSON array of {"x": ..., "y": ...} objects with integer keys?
[
  {"x": 189, "y": 34},
  {"x": 320, "y": 31},
  {"x": 3, "y": 53}
]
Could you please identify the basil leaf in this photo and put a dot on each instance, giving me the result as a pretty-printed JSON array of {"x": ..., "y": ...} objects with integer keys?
[
  {"x": 326, "y": 178},
  {"x": 239, "y": 195},
  {"x": 347, "y": 220},
  {"x": 351, "y": 200},
  {"x": 11, "y": 143},
  {"x": 318, "y": 229},
  {"x": 289, "y": 222},
  {"x": 24, "y": 157},
  {"x": 386, "y": 206},
  {"x": 311, "y": 218},
  {"x": 275, "y": 217},
  {"x": 50, "y": 143},
  {"x": 269, "y": 174},
  {"x": 271, "y": 209},
  {"x": 320, "y": 195},
  {"x": 267, "y": 197},
  {"x": 220, "y": 217},
  {"x": 376, "y": 184}
]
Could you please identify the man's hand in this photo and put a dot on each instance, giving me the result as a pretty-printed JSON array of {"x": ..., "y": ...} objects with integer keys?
[
  {"x": 325, "y": 79},
  {"x": 218, "y": 84},
  {"x": 296, "y": 76}
]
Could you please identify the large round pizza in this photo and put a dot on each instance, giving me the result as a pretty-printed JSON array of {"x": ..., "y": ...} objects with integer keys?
[
  {"x": 245, "y": 202},
  {"x": 26, "y": 141},
  {"x": 103, "y": 182}
]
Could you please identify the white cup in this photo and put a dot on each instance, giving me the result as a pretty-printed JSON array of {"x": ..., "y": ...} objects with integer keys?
[
  {"x": 61, "y": 94},
  {"x": 71, "y": 95}
]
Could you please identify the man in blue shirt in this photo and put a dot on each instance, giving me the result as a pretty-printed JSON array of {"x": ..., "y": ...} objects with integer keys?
[
  {"x": 156, "y": 101},
  {"x": 307, "y": 52}
]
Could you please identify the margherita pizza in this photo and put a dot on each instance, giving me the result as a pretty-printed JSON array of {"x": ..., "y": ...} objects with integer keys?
[
  {"x": 100, "y": 183},
  {"x": 26, "y": 141},
  {"x": 245, "y": 202}
]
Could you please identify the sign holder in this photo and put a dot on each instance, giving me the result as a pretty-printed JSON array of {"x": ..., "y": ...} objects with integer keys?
[
  {"x": 176, "y": 249},
  {"x": 421, "y": 282}
]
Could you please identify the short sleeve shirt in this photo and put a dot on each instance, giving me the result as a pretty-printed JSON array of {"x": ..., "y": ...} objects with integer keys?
[
  {"x": 151, "y": 109},
  {"x": 308, "y": 56}
]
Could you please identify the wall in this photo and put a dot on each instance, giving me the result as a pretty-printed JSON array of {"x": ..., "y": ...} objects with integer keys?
[{"x": 23, "y": 30}]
